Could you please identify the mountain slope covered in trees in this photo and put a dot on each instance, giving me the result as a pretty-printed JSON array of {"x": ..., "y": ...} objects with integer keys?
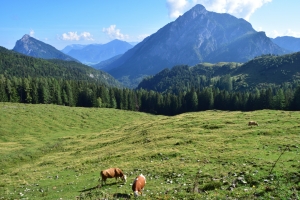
[
  {"x": 19, "y": 65},
  {"x": 260, "y": 72}
]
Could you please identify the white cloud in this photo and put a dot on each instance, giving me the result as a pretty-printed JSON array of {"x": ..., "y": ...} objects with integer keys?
[
  {"x": 31, "y": 33},
  {"x": 239, "y": 8},
  {"x": 114, "y": 33},
  {"x": 273, "y": 34},
  {"x": 74, "y": 36},
  {"x": 288, "y": 32},
  {"x": 177, "y": 7}
]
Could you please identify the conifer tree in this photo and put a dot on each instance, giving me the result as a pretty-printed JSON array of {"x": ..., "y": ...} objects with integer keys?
[
  {"x": 27, "y": 89},
  {"x": 3, "y": 94}
]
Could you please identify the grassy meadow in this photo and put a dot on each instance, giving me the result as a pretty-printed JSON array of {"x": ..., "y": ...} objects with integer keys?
[{"x": 57, "y": 152}]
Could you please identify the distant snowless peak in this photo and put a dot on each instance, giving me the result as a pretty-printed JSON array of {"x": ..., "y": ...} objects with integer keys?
[{"x": 25, "y": 37}]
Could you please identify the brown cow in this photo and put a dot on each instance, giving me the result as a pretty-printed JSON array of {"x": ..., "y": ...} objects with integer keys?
[
  {"x": 138, "y": 184},
  {"x": 112, "y": 173},
  {"x": 252, "y": 123}
]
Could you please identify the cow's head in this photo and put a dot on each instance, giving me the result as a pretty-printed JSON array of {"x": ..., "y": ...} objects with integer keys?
[{"x": 124, "y": 178}]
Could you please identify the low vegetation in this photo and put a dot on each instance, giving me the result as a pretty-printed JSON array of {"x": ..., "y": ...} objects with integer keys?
[{"x": 57, "y": 152}]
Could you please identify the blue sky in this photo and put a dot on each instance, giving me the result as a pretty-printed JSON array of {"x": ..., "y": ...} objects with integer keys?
[{"x": 64, "y": 22}]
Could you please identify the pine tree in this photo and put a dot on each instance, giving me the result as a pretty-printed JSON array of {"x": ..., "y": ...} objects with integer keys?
[
  {"x": 44, "y": 92},
  {"x": 295, "y": 105},
  {"x": 11, "y": 88},
  {"x": 3, "y": 95},
  {"x": 112, "y": 99},
  {"x": 279, "y": 100},
  {"x": 34, "y": 91},
  {"x": 27, "y": 89}
]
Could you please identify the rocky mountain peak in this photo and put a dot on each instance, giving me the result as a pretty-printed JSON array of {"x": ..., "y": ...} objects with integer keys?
[
  {"x": 25, "y": 38},
  {"x": 197, "y": 10},
  {"x": 32, "y": 47}
]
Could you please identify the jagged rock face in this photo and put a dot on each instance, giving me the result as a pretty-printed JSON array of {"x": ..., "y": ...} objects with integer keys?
[
  {"x": 31, "y": 47},
  {"x": 197, "y": 36}
]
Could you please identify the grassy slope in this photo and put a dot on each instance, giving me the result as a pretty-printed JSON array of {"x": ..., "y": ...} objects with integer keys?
[{"x": 54, "y": 152}]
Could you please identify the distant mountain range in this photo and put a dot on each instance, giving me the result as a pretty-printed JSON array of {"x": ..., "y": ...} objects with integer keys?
[
  {"x": 288, "y": 42},
  {"x": 68, "y": 48},
  {"x": 95, "y": 53},
  {"x": 32, "y": 47},
  {"x": 260, "y": 72},
  {"x": 103, "y": 64},
  {"x": 197, "y": 36}
]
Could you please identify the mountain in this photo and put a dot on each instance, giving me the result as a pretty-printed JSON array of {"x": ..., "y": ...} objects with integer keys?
[
  {"x": 95, "y": 53},
  {"x": 260, "y": 72},
  {"x": 288, "y": 42},
  {"x": 133, "y": 43},
  {"x": 103, "y": 64},
  {"x": 71, "y": 47},
  {"x": 32, "y": 47},
  {"x": 197, "y": 36},
  {"x": 20, "y": 65}
]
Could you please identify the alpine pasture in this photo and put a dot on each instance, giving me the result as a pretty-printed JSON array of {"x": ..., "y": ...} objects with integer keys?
[{"x": 57, "y": 152}]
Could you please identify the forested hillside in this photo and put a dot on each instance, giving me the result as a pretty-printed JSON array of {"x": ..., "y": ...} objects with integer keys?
[
  {"x": 259, "y": 73},
  {"x": 182, "y": 78},
  {"x": 19, "y": 65},
  {"x": 269, "y": 70}
]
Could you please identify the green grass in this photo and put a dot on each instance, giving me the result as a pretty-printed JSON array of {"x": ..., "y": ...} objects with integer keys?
[{"x": 53, "y": 152}]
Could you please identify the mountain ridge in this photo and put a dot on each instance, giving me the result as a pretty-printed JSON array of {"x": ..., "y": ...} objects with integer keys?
[
  {"x": 32, "y": 47},
  {"x": 95, "y": 53},
  {"x": 288, "y": 42}
]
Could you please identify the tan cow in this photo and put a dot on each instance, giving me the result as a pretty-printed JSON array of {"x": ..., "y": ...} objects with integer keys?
[
  {"x": 138, "y": 184},
  {"x": 112, "y": 173},
  {"x": 252, "y": 123}
]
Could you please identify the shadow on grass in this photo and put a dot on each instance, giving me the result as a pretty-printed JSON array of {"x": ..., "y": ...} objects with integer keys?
[
  {"x": 97, "y": 186},
  {"x": 116, "y": 195},
  {"x": 121, "y": 195},
  {"x": 89, "y": 189}
]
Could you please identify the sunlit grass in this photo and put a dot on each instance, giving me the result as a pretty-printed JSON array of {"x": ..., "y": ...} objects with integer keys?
[{"x": 54, "y": 152}]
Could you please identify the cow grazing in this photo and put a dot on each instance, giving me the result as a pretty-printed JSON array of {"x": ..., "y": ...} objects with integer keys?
[
  {"x": 138, "y": 184},
  {"x": 252, "y": 123},
  {"x": 112, "y": 173}
]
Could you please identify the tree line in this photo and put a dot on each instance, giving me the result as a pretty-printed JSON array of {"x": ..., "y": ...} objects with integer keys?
[{"x": 94, "y": 94}]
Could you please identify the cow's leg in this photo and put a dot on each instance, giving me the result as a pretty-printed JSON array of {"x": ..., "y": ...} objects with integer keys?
[{"x": 103, "y": 181}]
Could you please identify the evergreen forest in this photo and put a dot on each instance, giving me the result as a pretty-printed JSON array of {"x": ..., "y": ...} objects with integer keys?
[
  {"x": 44, "y": 90},
  {"x": 25, "y": 79}
]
